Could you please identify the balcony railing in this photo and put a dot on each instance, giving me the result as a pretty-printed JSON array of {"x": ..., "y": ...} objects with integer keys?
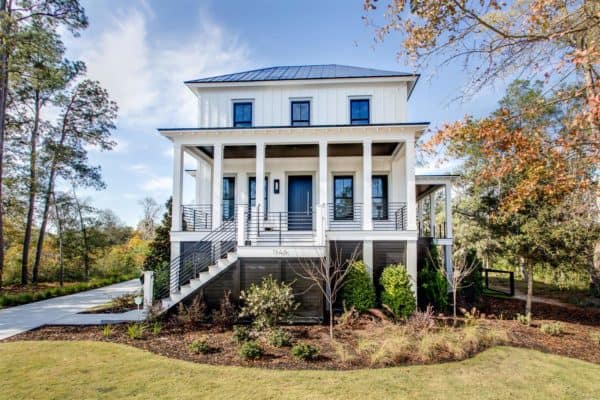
[
  {"x": 279, "y": 228},
  {"x": 197, "y": 217},
  {"x": 348, "y": 217}
]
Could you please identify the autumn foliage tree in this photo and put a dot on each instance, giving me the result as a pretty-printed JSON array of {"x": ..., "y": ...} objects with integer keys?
[{"x": 529, "y": 177}]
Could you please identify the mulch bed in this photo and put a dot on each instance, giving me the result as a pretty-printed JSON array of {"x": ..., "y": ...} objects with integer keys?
[{"x": 174, "y": 338}]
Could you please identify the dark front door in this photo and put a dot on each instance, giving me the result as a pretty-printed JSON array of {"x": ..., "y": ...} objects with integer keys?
[{"x": 300, "y": 203}]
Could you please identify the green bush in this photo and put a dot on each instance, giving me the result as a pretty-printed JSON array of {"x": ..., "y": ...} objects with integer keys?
[
  {"x": 200, "y": 346},
  {"x": 107, "y": 331},
  {"x": 269, "y": 303},
  {"x": 250, "y": 350},
  {"x": 305, "y": 351},
  {"x": 136, "y": 331},
  {"x": 433, "y": 289},
  {"x": 280, "y": 338},
  {"x": 241, "y": 334},
  {"x": 523, "y": 319},
  {"x": 359, "y": 292},
  {"x": 552, "y": 329},
  {"x": 397, "y": 293}
]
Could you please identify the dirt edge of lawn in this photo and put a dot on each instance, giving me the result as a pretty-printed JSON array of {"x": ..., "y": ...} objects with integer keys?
[{"x": 82, "y": 369}]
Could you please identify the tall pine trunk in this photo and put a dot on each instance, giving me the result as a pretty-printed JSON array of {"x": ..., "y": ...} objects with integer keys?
[
  {"x": 86, "y": 260},
  {"x": 32, "y": 194},
  {"x": 50, "y": 188},
  {"x": 61, "y": 276},
  {"x": 5, "y": 12}
]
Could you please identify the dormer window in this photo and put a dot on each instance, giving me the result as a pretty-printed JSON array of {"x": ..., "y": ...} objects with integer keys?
[
  {"x": 301, "y": 113},
  {"x": 242, "y": 114},
  {"x": 359, "y": 112}
]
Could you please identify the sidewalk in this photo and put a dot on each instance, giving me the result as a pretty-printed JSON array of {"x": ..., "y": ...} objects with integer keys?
[{"x": 65, "y": 310}]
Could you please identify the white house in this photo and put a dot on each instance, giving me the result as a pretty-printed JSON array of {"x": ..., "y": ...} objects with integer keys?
[{"x": 335, "y": 150}]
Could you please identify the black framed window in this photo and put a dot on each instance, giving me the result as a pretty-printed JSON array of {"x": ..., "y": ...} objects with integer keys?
[
  {"x": 242, "y": 114},
  {"x": 300, "y": 113},
  {"x": 228, "y": 198},
  {"x": 359, "y": 111},
  {"x": 343, "y": 198},
  {"x": 379, "y": 188},
  {"x": 252, "y": 193}
]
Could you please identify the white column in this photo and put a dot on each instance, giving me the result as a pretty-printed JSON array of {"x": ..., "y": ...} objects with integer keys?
[
  {"x": 367, "y": 191},
  {"x": 411, "y": 207},
  {"x": 432, "y": 214},
  {"x": 368, "y": 256},
  {"x": 241, "y": 225},
  {"x": 411, "y": 263},
  {"x": 203, "y": 182},
  {"x": 448, "y": 191},
  {"x": 174, "y": 276},
  {"x": 148, "y": 289},
  {"x": 448, "y": 262},
  {"x": 177, "y": 186},
  {"x": 217, "y": 186},
  {"x": 321, "y": 221},
  {"x": 260, "y": 176}
]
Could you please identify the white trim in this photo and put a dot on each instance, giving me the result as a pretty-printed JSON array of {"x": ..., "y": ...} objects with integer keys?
[
  {"x": 281, "y": 252},
  {"x": 372, "y": 235}
]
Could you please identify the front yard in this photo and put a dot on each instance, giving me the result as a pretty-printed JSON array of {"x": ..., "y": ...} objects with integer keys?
[{"x": 77, "y": 370}]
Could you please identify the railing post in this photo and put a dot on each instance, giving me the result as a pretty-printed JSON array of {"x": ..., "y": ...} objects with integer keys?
[
  {"x": 148, "y": 288},
  {"x": 511, "y": 277},
  {"x": 280, "y": 228}
]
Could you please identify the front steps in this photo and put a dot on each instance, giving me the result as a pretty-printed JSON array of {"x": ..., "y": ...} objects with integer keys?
[{"x": 195, "y": 284}]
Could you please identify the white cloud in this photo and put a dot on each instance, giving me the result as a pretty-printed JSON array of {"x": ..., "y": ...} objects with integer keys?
[
  {"x": 145, "y": 76},
  {"x": 139, "y": 168},
  {"x": 157, "y": 184}
]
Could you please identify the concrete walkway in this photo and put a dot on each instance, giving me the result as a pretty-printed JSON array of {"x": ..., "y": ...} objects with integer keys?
[{"x": 65, "y": 310}]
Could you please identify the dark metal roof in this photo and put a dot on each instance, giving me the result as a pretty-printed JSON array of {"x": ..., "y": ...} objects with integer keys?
[{"x": 329, "y": 71}]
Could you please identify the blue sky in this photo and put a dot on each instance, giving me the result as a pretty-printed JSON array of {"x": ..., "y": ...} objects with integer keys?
[{"x": 142, "y": 51}]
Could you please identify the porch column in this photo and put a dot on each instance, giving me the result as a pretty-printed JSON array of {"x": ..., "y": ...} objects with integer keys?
[
  {"x": 411, "y": 206},
  {"x": 321, "y": 214},
  {"x": 368, "y": 256},
  {"x": 174, "y": 268},
  {"x": 367, "y": 217},
  {"x": 217, "y": 186},
  {"x": 260, "y": 176},
  {"x": 432, "y": 214},
  {"x": 448, "y": 190},
  {"x": 177, "y": 186},
  {"x": 203, "y": 182}
]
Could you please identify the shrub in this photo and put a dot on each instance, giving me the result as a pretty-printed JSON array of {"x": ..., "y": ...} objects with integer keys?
[
  {"x": 250, "y": 350},
  {"x": 595, "y": 336},
  {"x": 241, "y": 334},
  {"x": 397, "y": 292},
  {"x": 432, "y": 284},
  {"x": 280, "y": 338},
  {"x": 200, "y": 346},
  {"x": 226, "y": 315},
  {"x": 421, "y": 321},
  {"x": 156, "y": 328},
  {"x": 269, "y": 303},
  {"x": 107, "y": 331},
  {"x": 552, "y": 329},
  {"x": 135, "y": 331},
  {"x": 305, "y": 351},
  {"x": 192, "y": 314},
  {"x": 524, "y": 319},
  {"x": 359, "y": 292}
]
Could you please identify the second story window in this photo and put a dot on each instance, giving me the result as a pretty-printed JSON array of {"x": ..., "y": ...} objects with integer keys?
[
  {"x": 242, "y": 114},
  {"x": 300, "y": 113},
  {"x": 359, "y": 112}
]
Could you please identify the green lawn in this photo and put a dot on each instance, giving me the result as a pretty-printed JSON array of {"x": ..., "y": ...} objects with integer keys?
[{"x": 93, "y": 370}]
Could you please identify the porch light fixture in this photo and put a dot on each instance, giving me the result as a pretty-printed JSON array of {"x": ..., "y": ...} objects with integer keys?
[{"x": 276, "y": 186}]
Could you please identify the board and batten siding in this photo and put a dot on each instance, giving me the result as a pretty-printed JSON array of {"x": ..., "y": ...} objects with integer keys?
[{"x": 330, "y": 103}]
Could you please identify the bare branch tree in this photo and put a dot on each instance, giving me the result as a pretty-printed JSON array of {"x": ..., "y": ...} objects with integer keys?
[{"x": 328, "y": 274}]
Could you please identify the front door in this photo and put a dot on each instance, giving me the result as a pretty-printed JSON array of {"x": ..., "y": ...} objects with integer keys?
[{"x": 300, "y": 203}]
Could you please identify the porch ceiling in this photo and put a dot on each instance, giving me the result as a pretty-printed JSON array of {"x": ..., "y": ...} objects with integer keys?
[{"x": 303, "y": 150}]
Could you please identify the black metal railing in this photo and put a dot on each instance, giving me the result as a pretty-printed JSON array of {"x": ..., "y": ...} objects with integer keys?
[
  {"x": 344, "y": 217},
  {"x": 394, "y": 220},
  {"x": 199, "y": 257},
  {"x": 279, "y": 228},
  {"x": 197, "y": 217},
  {"x": 498, "y": 284}
]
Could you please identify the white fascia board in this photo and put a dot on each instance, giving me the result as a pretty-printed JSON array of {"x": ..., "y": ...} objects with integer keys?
[
  {"x": 372, "y": 235},
  {"x": 194, "y": 86},
  {"x": 435, "y": 179},
  {"x": 333, "y": 134}
]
